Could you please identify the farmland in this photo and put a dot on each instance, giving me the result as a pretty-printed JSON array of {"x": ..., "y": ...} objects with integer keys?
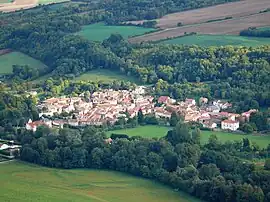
[
  {"x": 218, "y": 40},
  {"x": 159, "y": 131},
  {"x": 48, "y": 184},
  {"x": 222, "y": 19},
  {"x": 17, "y": 58},
  {"x": 100, "y": 31},
  {"x": 234, "y": 10}
]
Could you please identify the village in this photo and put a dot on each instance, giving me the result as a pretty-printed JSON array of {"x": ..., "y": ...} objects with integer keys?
[{"x": 108, "y": 106}]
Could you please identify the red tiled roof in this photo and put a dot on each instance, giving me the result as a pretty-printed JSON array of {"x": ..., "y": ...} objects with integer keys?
[
  {"x": 230, "y": 121},
  {"x": 163, "y": 99}
]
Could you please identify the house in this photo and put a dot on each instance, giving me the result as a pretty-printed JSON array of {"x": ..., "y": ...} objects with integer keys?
[
  {"x": 247, "y": 114},
  {"x": 203, "y": 100},
  {"x": 190, "y": 101},
  {"x": 162, "y": 113},
  {"x": 213, "y": 108},
  {"x": 30, "y": 125},
  {"x": 3, "y": 146},
  {"x": 229, "y": 125},
  {"x": 58, "y": 123},
  {"x": 163, "y": 99},
  {"x": 209, "y": 124}
]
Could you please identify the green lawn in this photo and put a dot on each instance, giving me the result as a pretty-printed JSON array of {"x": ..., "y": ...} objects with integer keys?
[
  {"x": 218, "y": 40},
  {"x": 104, "y": 75},
  {"x": 160, "y": 131},
  {"x": 100, "y": 31},
  {"x": 17, "y": 58},
  {"x": 144, "y": 131},
  {"x": 27, "y": 182}
]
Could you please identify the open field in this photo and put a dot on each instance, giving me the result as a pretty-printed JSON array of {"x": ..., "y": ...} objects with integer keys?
[
  {"x": 46, "y": 184},
  {"x": 218, "y": 40},
  {"x": 149, "y": 131},
  {"x": 226, "y": 27},
  {"x": 24, "y": 4},
  {"x": 17, "y": 58},
  {"x": 100, "y": 31},
  {"x": 105, "y": 76},
  {"x": 233, "y": 9},
  {"x": 159, "y": 131}
]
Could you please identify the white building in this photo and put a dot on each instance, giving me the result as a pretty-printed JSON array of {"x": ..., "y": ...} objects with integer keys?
[{"x": 230, "y": 125}]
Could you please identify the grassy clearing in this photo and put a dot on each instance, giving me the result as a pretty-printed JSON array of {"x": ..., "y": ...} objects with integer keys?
[
  {"x": 219, "y": 40},
  {"x": 104, "y": 75},
  {"x": 17, "y": 58},
  {"x": 27, "y": 182},
  {"x": 144, "y": 131},
  {"x": 160, "y": 131},
  {"x": 100, "y": 31}
]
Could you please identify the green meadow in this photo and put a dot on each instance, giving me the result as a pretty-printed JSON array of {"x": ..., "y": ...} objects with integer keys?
[
  {"x": 100, "y": 31},
  {"x": 104, "y": 75},
  {"x": 218, "y": 40},
  {"x": 28, "y": 182},
  {"x": 51, "y": 1},
  {"x": 160, "y": 131},
  {"x": 5, "y": 1},
  {"x": 17, "y": 58}
]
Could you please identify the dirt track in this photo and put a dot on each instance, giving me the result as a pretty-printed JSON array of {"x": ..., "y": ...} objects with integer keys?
[
  {"x": 17, "y": 5},
  {"x": 232, "y": 26}
]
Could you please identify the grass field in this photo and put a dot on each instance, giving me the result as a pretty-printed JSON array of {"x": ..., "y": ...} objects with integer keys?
[
  {"x": 100, "y": 31},
  {"x": 17, "y": 58},
  {"x": 159, "y": 131},
  {"x": 27, "y": 182},
  {"x": 218, "y": 40},
  {"x": 105, "y": 76},
  {"x": 5, "y": 1}
]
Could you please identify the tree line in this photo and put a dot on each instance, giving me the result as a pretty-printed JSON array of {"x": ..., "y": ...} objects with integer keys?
[
  {"x": 213, "y": 172},
  {"x": 254, "y": 32}
]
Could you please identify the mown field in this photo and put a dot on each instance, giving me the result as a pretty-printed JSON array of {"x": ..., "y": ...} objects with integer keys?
[
  {"x": 159, "y": 131},
  {"x": 100, "y": 31},
  {"x": 27, "y": 182},
  {"x": 104, "y": 75},
  {"x": 17, "y": 58},
  {"x": 218, "y": 40}
]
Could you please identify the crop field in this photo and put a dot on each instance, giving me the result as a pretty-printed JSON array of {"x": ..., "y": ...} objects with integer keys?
[
  {"x": 218, "y": 40},
  {"x": 105, "y": 76},
  {"x": 27, "y": 182},
  {"x": 233, "y": 9},
  {"x": 100, "y": 31},
  {"x": 230, "y": 26},
  {"x": 159, "y": 131},
  {"x": 17, "y": 58}
]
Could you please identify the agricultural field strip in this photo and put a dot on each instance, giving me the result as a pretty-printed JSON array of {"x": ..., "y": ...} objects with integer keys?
[
  {"x": 230, "y": 26},
  {"x": 234, "y": 9}
]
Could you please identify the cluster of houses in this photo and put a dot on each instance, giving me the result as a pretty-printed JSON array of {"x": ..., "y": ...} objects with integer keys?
[{"x": 108, "y": 106}]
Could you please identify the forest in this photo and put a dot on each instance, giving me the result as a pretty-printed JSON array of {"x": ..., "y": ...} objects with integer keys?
[{"x": 214, "y": 172}]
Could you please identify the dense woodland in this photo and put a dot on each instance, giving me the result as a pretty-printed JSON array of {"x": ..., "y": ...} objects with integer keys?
[{"x": 213, "y": 172}]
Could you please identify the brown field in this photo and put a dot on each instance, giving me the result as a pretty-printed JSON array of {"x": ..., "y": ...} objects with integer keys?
[
  {"x": 234, "y": 9},
  {"x": 232, "y": 26},
  {"x": 17, "y": 5}
]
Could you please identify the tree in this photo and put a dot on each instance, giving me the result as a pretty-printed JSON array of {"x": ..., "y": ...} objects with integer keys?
[
  {"x": 208, "y": 171},
  {"x": 267, "y": 164},
  {"x": 196, "y": 136},
  {"x": 247, "y": 128},
  {"x": 174, "y": 119},
  {"x": 140, "y": 117}
]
